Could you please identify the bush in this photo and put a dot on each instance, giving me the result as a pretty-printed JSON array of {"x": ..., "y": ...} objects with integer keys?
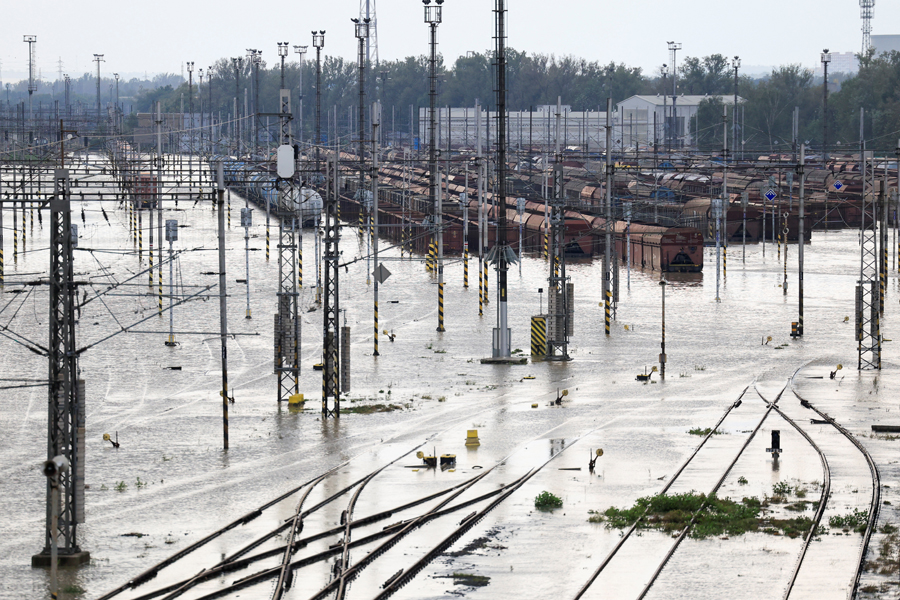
[{"x": 547, "y": 501}]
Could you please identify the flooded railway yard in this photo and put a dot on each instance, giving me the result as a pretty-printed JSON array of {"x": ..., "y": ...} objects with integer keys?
[{"x": 364, "y": 517}]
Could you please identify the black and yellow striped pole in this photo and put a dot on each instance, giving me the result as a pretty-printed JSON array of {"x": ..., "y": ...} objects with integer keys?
[
  {"x": 23, "y": 226},
  {"x": 300, "y": 262},
  {"x": 31, "y": 215},
  {"x": 487, "y": 297},
  {"x": 466, "y": 267},
  {"x": 376, "y": 328},
  {"x": 607, "y": 309},
  {"x": 440, "y": 326},
  {"x": 546, "y": 245},
  {"x": 480, "y": 292},
  {"x": 724, "y": 259},
  {"x": 15, "y": 238},
  {"x": 267, "y": 238},
  {"x": 140, "y": 230}
]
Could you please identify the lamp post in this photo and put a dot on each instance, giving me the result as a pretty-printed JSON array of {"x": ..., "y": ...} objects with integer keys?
[
  {"x": 734, "y": 119},
  {"x": 190, "y": 128},
  {"x": 433, "y": 17},
  {"x": 674, "y": 47},
  {"x": 665, "y": 74},
  {"x": 98, "y": 58},
  {"x": 318, "y": 44},
  {"x": 826, "y": 58},
  {"x": 200, "y": 97},
  {"x": 116, "y": 75},
  {"x": 212, "y": 144},
  {"x": 301, "y": 50},
  {"x": 282, "y": 54},
  {"x": 237, "y": 63},
  {"x": 662, "y": 354}
]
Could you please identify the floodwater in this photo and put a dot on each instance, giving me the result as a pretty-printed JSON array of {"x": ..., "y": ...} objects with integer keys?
[{"x": 171, "y": 482}]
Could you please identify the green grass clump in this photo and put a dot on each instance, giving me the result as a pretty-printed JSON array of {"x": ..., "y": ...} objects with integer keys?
[
  {"x": 704, "y": 431},
  {"x": 73, "y": 589},
  {"x": 470, "y": 579},
  {"x": 857, "y": 520},
  {"x": 714, "y": 516},
  {"x": 547, "y": 501}
]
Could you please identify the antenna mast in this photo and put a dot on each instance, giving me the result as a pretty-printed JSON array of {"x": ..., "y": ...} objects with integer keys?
[
  {"x": 866, "y": 11},
  {"x": 367, "y": 13}
]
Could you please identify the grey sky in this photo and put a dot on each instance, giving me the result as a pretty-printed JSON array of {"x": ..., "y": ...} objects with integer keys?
[{"x": 159, "y": 36}]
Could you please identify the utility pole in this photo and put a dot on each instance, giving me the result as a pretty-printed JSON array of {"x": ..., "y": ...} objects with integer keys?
[
  {"x": 734, "y": 120},
  {"x": 301, "y": 50},
  {"x": 331, "y": 306},
  {"x": 826, "y": 58},
  {"x": 31, "y": 40},
  {"x": 223, "y": 300},
  {"x": 607, "y": 251},
  {"x": 98, "y": 58},
  {"x": 433, "y": 17},
  {"x": 282, "y": 54},
  {"x": 190, "y": 126},
  {"x": 674, "y": 47},
  {"x": 557, "y": 297},
  {"x": 318, "y": 44},
  {"x": 801, "y": 173},
  {"x": 116, "y": 75},
  {"x": 66, "y": 414},
  {"x": 501, "y": 254},
  {"x": 237, "y": 63},
  {"x": 376, "y": 124}
]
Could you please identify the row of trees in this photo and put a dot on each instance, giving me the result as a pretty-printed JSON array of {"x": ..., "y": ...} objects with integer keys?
[{"x": 536, "y": 79}]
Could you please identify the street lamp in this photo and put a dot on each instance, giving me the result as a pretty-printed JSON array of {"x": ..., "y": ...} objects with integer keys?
[
  {"x": 736, "y": 63},
  {"x": 301, "y": 50},
  {"x": 674, "y": 47},
  {"x": 826, "y": 58},
  {"x": 662, "y": 354},
  {"x": 282, "y": 53},
  {"x": 200, "y": 97},
  {"x": 318, "y": 44},
  {"x": 190, "y": 128},
  {"x": 665, "y": 75},
  {"x": 116, "y": 75}
]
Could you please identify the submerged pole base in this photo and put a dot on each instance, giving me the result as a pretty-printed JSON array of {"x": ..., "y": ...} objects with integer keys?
[
  {"x": 171, "y": 341},
  {"x": 75, "y": 559}
]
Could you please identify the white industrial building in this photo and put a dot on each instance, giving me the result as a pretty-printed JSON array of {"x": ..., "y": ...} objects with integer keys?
[{"x": 641, "y": 120}]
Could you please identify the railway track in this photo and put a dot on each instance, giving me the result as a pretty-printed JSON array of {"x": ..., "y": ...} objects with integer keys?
[
  {"x": 289, "y": 533},
  {"x": 627, "y": 534},
  {"x": 874, "y": 503}
]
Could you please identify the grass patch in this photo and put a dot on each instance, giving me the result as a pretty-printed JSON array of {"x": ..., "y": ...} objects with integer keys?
[
  {"x": 797, "y": 506},
  {"x": 888, "y": 560},
  {"x": 470, "y": 579},
  {"x": 857, "y": 520},
  {"x": 704, "y": 431},
  {"x": 782, "y": 488},
  {"x": 73, "y": 589},
  {"x": 121, "y": 486},
  {"x": 742, "y": 480},
  {"x": 368, "y": 409},
  {"x": 547, "y": 501},
  {"x": 715, "y": 516}
]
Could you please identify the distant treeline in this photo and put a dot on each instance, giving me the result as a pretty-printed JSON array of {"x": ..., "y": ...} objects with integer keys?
[{"x": 536, "y": 79}]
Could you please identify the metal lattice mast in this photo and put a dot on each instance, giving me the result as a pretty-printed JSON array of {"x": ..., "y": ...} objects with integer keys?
[
  {"x": 65, "y": 411},
  {"x": 367, "y": 13},
  {"x": 868, "y": 322},
  {"x": 331, "y": 304},
  {"x": 867, "y": 12},
  {"x": 287, "y": 321}
]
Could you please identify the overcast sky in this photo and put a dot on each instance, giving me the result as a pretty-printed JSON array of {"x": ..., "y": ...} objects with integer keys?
[{"x": 159, "y": 36}]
